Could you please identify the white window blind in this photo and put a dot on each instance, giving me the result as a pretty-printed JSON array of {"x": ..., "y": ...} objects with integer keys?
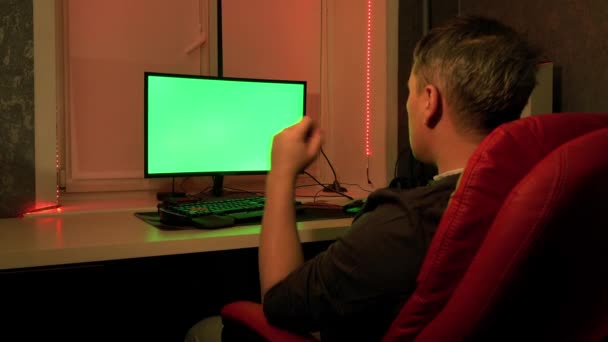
[{"x": 108, "y": 46}]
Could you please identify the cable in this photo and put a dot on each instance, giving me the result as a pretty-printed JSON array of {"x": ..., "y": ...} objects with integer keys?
[
  {"x": 360, "y": 187},
  {"x": 325, "y": 76},
  {"x": 242, "y": 191},
  {"x": 314, "y": 198},
  {"x": 325, "y": 186},
  {"x": 204, "y": 193},
  {"x": 305, "y": 185},
  {"x": 403, "y": 182},
  {"x": 396, "y": 165},
  {"x": 335, "y": 186},
  {"x": 313, "y": 178},
  {"x": 369, "y": 181}
]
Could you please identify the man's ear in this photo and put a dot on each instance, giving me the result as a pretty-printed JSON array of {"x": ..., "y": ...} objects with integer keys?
[{"x": 432, "y": 111}]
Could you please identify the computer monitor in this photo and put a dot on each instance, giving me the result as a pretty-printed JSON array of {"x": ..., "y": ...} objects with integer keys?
[{"x": 203, "y": 125}]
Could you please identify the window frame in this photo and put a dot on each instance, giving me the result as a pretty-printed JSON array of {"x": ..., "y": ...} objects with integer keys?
[{"x": 67, "y": 181}]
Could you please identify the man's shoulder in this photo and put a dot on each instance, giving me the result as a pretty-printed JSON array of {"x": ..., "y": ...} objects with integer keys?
[
  {"x": 410, "y": 197},
  {"x": 413, "y": 204}
]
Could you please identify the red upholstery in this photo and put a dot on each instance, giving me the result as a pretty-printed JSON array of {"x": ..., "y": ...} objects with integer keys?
[
  {"x": 542, "y": 270},
  {"x": 501, "y": 160},
  {"x": 251, "y": 315},
  {"x": 499, "y": 163}
]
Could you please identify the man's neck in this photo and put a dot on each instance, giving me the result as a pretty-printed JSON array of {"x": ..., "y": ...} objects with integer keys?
[
  {"x": 453, "y": 146},
  {"x": 455, "y": 155}
]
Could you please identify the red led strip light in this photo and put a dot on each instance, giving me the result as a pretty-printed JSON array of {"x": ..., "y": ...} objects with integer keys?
[{"x": 368, "y": 151}]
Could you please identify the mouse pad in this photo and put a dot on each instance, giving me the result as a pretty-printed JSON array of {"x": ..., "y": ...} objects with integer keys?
[{"x": 306, "y": 214}]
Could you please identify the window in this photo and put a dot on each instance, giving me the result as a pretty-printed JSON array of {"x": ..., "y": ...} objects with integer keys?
[{"x": 107, "y": 46}]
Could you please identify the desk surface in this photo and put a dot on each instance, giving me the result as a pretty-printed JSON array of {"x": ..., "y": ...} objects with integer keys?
[{"x": 99, "y": 236}]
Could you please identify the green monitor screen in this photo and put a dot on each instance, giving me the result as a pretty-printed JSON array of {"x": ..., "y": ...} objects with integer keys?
[{"x": 202, "y": 125}]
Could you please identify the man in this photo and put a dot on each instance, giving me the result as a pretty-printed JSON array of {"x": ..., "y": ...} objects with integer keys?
[{"x": 469, "y": 76}]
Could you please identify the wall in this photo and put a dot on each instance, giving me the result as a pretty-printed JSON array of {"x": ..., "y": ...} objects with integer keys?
[
  {"x": 17, "y": 172},
  {"x": 415, "y": 18},
  {"x": 342, "y": 50},
  {"x": 345, "y": 104},
  {"x": 285, "y": 45},
  {"x": 324, "y": 42},
  {"x": 573, "y": 35}
]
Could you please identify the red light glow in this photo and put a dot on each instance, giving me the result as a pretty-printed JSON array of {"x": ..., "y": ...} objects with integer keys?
[
  {"x": 41, "y": 208},
  {"x": 57, "y": 168}
]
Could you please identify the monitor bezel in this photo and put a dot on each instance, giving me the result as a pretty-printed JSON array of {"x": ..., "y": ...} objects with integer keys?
[{"x": 148, "y": 74}]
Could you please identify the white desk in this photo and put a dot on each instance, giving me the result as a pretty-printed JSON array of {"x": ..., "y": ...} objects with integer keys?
[
  {"x": 144, "y": 276},
  {"x": 86, "y": 237}
]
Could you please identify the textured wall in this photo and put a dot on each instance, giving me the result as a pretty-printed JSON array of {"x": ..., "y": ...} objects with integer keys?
[
  {"x": 573, "y": 34},
  {"x": 17, "y": 176}
]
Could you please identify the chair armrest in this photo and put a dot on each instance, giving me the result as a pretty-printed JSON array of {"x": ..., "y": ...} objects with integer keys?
[{"x": 249, "y": 315}]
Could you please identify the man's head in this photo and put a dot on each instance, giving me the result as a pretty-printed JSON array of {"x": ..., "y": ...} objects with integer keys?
[{"x": 481, "y": 69}]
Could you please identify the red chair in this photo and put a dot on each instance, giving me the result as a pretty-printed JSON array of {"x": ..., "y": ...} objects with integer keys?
[
  {"x": 499, "y": 163},
  {"x": 541, "y": 272}
]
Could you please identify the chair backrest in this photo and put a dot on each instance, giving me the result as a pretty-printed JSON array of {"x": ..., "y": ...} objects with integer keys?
[
  {"x": 541, "y": 272},
  {"x": 501, "y": 160}
]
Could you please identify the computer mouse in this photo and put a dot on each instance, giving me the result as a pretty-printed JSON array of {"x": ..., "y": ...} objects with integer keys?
[{"x": 353, "y": 206}]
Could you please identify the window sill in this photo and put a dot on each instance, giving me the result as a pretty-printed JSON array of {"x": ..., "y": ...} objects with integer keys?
[
  {"x": 146, "y": 201},
  {"x": 89, "y": 202}
]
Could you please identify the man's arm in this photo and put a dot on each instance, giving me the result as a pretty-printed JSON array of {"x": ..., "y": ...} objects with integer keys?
[{"x": 280, "y": 250}]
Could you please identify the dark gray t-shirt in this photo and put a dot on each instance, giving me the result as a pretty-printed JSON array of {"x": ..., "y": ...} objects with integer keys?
[{"x": 354, "y": 289}]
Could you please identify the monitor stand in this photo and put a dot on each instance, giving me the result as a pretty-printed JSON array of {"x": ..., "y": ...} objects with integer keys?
[{"x": 218, "y": 186}]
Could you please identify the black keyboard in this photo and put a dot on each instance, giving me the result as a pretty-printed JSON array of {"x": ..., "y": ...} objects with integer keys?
[{"x": 212, "y": 213}]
